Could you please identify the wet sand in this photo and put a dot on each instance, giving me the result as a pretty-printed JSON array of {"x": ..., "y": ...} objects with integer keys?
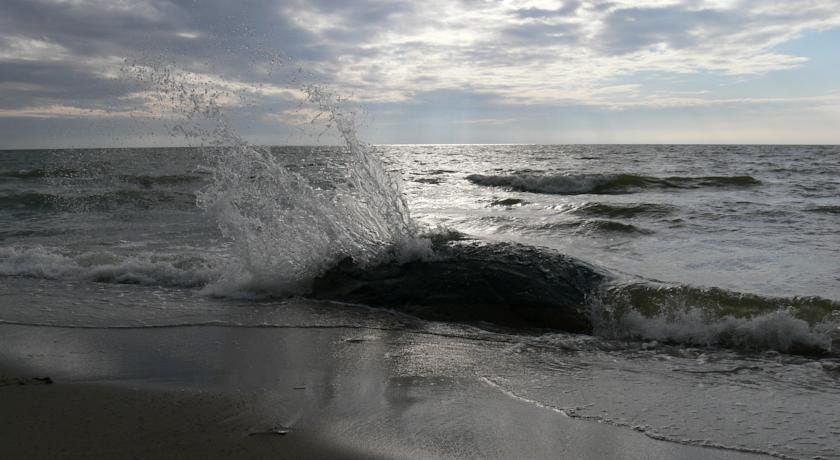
[{"x": 213, "y": 392}]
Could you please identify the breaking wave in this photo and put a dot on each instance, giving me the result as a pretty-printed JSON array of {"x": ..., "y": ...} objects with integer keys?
[
  {"x": 780, "y": 330},
  {"x": 561, "y": 184},
  {"x": 504, "y": 286},
  {"x": 715, "y": 317},
  {"x": 152, "y": 269}
]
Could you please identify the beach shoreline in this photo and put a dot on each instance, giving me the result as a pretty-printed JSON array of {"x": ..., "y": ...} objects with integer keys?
[{"x": 213, "y": 392}]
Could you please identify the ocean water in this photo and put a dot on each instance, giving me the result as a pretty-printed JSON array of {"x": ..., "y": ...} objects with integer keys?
[{"x": 716, "y": 322}]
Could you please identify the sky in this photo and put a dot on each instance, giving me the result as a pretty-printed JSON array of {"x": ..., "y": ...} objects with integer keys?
[{"x": 457, "y": 71}]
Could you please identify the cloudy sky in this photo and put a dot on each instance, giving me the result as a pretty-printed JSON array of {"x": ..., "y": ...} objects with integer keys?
[{"x": 456, "y": 71}]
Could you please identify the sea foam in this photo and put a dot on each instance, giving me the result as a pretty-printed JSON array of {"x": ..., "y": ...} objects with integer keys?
[
  {"x": 712, "y": 317},
  {"x": 153, "y": 269}
]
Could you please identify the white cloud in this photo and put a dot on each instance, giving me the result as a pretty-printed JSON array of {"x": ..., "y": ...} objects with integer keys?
[
  {"x": 169, "y": 90},
  {"x": 483, "y": 62},
  {"x": 20, "y": 48},
  {"x": 140, "y": 8},
  {"x": 300, "y": 116},
  {"x": 561, "y": 52},
  {"x": 67, "y": 111}
]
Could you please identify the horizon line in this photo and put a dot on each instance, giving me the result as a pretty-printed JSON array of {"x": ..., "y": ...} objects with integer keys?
[{"x": 793, "y": 144}]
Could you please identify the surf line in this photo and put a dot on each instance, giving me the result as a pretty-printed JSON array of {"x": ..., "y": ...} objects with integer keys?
[
  {"x": 496, "y": 338},
  {"x": 571, "y": 413},
  {"x": 497, "y": 386}
]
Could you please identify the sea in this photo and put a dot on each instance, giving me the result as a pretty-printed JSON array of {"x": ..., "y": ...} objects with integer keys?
[{"x": 717, "y": 322}]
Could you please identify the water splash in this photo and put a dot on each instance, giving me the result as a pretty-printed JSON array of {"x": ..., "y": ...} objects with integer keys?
[{"x": 284, "y": 227}]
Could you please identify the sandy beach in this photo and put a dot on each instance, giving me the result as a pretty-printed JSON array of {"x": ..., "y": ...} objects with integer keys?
[{"x": 202, "y": 392}]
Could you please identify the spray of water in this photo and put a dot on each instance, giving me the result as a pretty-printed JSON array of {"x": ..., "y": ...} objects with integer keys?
[{"x": 285, "y": 226}]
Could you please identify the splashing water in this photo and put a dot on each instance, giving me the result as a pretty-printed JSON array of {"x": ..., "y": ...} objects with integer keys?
[{"x": 285, "y": 229}]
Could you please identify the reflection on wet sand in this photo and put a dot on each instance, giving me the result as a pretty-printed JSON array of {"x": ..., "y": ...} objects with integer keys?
[{"x": 346, "y": 392}]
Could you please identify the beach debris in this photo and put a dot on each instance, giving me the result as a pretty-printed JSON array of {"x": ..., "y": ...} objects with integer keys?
[{"x": 274, "y": 431}]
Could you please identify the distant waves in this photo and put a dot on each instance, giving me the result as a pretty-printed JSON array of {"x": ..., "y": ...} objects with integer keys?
[{"x": 579, "y": 184}]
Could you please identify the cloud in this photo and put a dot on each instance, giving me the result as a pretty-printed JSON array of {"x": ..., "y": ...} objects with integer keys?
[
  {"x": 63, "y": 111},
  {"x": 295, "y": 117},
  {"x": 567, "y": 9},
  {"x": 61, "y": 54},
  {"x": 538, "y": 55}
]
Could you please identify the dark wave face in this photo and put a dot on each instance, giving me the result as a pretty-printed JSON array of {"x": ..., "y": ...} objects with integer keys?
[
  {"x": 623, "y": 211},
  {"x": 522, "y": 287},
  {"x": 596, "y": 226},
  {"x": 37, "y": 173},
  {"x": 611, "y": 226},
  {"x": 27, "y": 201},
  {"x": 508, "y": 202},
  {"x": 828, "y": 209},
  {"x": 512, "y": 286},
  {"x": 149, "y": 181},
  {"x": 100, "y": 181},
  {"x": 606, "y": 184}
]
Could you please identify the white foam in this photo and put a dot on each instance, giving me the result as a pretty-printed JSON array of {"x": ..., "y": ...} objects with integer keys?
[
  {"x": 153, "y": 269},
  {"x": 779, "y": 330}
]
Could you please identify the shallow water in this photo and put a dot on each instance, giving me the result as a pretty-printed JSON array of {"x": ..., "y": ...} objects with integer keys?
[{"x": 718, "y": 257}]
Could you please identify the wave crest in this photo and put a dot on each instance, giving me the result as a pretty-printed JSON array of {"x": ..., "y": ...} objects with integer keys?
[
  {"x": 620, "y": 210},
  {"x": 779, "y": 330},
  {"x": 153, "y": 269},
  {"x": 715, "y": 317},
  {"x": 579, "y": 184}
]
